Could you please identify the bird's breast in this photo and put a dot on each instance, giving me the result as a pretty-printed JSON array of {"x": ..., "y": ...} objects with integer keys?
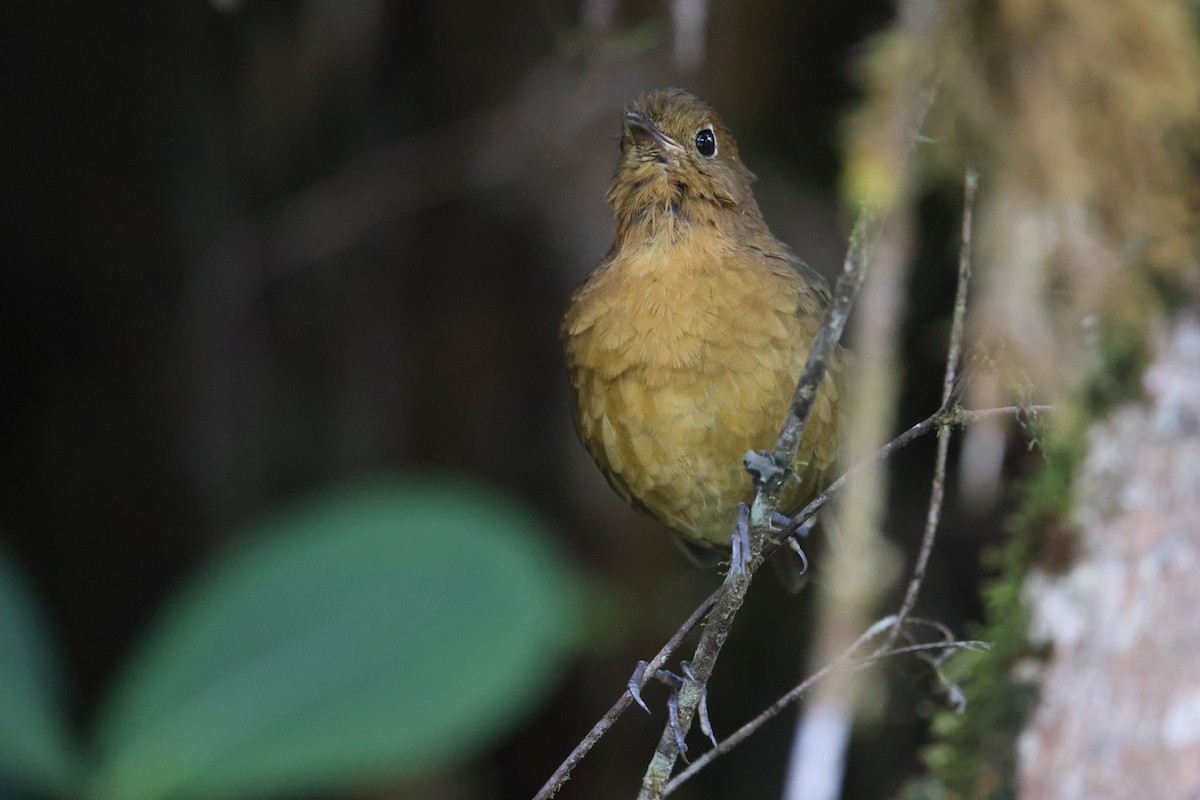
[{"x": 686, "y": 307}]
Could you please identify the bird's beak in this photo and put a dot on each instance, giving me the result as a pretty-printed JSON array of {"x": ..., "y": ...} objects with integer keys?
[{"x": 643, "y": 131}]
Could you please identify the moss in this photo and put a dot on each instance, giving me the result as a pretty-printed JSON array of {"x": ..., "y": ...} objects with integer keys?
[
  {"x": 973, "y": 754},
  {"x": 1118, "y": 377},
  {"x": 1171, "y": 292}
]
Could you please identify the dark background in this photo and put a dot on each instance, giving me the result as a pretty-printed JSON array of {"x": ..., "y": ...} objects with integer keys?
[{"x": 253, "y": 250}]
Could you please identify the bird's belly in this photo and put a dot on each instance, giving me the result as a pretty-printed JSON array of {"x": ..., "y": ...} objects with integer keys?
[{"x": 673, "y": 440}]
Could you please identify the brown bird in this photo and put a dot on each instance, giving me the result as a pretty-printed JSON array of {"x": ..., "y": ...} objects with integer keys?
[{"x": 684, "y": 345}]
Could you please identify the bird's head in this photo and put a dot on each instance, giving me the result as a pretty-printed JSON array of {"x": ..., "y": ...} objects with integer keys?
[{"x": 679, "y": 163}]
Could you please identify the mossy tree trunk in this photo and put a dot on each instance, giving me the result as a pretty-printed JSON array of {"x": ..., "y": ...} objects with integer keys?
[{"x": 1119, "y": 708}]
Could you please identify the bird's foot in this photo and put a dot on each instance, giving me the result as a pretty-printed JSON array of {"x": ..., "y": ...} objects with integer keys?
[
  {"x": 702, "y": 710},
  {"x": 739, "y": 559},
  {"x": 674, "y": 683}
]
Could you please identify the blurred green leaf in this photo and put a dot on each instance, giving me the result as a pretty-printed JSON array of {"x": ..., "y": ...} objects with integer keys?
[
  {"x": 35, "y": 748},
  {"x": 378, "y": 631}
]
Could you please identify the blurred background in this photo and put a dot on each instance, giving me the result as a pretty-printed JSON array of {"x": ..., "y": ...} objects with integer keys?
[{"x": 255, "y": 248}]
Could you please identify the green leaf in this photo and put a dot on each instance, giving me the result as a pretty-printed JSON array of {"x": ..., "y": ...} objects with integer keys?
[
  {"x": 35, "y": 748},
  {"x": 379, "y": 631}
]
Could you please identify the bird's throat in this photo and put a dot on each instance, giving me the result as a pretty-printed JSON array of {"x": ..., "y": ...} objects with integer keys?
[{"x": 659, "y": 213}]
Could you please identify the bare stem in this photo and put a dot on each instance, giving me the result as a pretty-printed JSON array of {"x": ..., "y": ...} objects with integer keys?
[
  {"x": 953, "y": 354},
  {"x": 742, "y": 733},
  {"x": 944, "y": 416},
  {"x": 862, "y": 238},
  {"x": 955, "y": 416}
]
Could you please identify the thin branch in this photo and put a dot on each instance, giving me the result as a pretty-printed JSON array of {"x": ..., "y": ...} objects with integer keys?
[
  {"x": 970, "y": 184},
  {"x": 734, "y": 739},
  {"x": 942, "y": 421},
  {"x": 948, "y": 416},
  {"x": 943, "y": 417},
  {"x": 742, "y": 733},
  {"x": 563, "y": 773},
  {"x": 938, "y": 490},
  {"x": 866, "y": 232},
  {"x": 862, "y": 240},
  {"x": 856, "y": 571},
  {"x": 954, "y": 416}
]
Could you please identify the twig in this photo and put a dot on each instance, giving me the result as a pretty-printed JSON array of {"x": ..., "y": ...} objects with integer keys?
[
  {"x": 943, "y": 421},
  {"x": 943, "y": 416},
  {"x": 938, "y": 491},
  {"x": 738, "y": 736},
  {"x": 563, "y": 773},
  {"x": 742, "y": 733},
  {"x": 954, "y": 416},
  {"x": 822, "y": 734},
  {"x": 853, "y": 574},
  {"x": 862, "y": 239}
]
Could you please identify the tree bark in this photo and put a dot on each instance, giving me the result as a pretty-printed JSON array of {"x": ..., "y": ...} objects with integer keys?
[{"x": 1119, "y": 712}]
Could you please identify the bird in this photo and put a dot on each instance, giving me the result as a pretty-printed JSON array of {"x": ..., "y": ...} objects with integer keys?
[{"x": 684, "y": 344}]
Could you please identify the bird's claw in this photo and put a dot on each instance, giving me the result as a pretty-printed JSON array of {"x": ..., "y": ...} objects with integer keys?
[
  {"x": 784, "y": 522},
  {"x": 739, "y": 559},
  {"x": 635, "y": 685}
]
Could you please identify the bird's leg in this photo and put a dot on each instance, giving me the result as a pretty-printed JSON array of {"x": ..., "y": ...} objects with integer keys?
[
  {"x": 739, "y": 542},
  {"x": 769, "y": 471},
  {"x": 766, "y": 469}
]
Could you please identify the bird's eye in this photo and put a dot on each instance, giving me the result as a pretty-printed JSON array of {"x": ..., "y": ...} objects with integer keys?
[{"x": 706, "y": 143}]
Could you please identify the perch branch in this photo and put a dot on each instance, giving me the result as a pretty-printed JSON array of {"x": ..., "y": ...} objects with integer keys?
[{"x": 944, "y": 416}]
